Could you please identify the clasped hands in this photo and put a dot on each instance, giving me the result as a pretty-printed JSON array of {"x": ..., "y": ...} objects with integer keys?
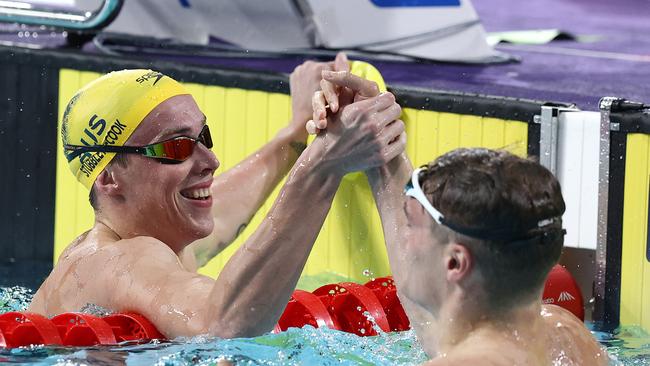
[{"x": 356, "y": 106}]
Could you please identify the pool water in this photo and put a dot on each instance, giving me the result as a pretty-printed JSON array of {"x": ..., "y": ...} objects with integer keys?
[{"x": 307, "y": 346}]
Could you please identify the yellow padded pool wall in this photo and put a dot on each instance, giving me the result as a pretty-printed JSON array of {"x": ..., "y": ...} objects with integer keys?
[
  {"x": 635, "y": 268},
  {"x": 351, "y": 241}
]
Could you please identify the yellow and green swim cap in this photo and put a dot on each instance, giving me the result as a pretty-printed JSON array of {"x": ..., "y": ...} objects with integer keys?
[{"x": 107, "y": 111}]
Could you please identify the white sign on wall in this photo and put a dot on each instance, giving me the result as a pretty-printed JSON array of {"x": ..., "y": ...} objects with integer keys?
[
  {"x": 447, "y": 30},
  {"x": 577, "y": 171}
]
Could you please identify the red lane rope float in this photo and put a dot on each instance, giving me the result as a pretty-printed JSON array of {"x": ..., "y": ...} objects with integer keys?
[
  {"x": 385, "y": 290},
  {"x": 132, "y": 327},
  {"x": 305, "y": 308},
  {"x": 21, "y": 329},
  {"x": 350, "y": 304},
  {"x": 79, "y": 329}
]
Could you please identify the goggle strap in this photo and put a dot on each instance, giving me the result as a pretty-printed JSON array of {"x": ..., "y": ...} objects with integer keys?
[
  {"x": 417, "y": 193},
  {"x": 501, "y": 234},
  {"x": 76, "y": 150},
  {"x": 149, "y": 150}
]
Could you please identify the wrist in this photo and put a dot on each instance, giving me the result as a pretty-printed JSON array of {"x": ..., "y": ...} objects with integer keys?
[
  {"x": 314, "y": 175},
  {"x": 293, "y": 138},
  {"x": 315, "y": 157},
  {"x": 396, "y": 172},
  {"x": 378, "y": 178},
  {"x": 374, "y": 175},
  {"x": 297, "y": 128}
]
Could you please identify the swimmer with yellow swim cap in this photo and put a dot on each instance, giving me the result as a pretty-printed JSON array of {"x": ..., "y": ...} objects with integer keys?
[
  {"x": 105, "y": 113},
  {"x": 471, "y": 238},
  {"x": 140, "y": 143}
]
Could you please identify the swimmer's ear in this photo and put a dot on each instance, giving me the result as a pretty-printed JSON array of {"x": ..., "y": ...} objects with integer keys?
[
  {"x": 106, "y": 183},
  {"x": 458, "y": 262}
]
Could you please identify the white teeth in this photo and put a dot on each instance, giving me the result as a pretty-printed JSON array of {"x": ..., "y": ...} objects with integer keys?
[{"x": 198, "y": 193}]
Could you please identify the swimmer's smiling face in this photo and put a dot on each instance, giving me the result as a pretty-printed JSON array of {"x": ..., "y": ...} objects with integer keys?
[{"x": 170, "y": 202}]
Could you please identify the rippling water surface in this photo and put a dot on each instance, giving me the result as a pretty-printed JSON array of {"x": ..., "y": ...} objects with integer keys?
[{"x": 307, "y": 346}]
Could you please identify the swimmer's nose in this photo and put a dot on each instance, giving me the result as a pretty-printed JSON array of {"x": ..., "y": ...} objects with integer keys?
[{"x": 207, "y": 160}]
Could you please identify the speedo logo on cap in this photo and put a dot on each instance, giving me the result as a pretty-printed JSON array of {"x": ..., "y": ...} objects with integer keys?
[{"x": 150, "y": 75}]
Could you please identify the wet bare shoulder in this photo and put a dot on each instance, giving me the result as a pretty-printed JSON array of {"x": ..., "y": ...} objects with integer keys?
[
  {"x": 72, "y": 248},
  {"x": 142, "y": 255},
  {"x": 141, "y": 248},
  {"x": 117, "y": 260},
  {"x": 145, "y": 276},
  {"x": 570, "y": 339}
]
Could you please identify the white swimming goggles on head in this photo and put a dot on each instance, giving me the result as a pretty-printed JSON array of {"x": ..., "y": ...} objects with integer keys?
[{"x": 413, "y": 189}]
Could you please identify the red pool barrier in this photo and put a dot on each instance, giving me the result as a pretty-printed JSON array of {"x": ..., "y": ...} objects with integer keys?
[
  {"x": 385, "y": 290},
  {"x": 305, "y": 308},
  {"x": 132, "y": 327},
  {"x": 19, "y": 329},
  {"x": 350, "y": 304},
  {"x": 79, "y": 329},
  {"x": 22, "y": 329},
  {"x": 344, "y": 306}
]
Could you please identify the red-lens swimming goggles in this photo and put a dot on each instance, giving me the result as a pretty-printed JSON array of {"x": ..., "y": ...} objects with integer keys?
[{"x": 172, "y": 151}]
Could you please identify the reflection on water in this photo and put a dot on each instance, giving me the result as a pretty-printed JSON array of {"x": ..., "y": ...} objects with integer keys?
[
  {"x": 307, "y": 346},
  {"x": 14, "y": 298},
  {"x": 628, "y": 346}
]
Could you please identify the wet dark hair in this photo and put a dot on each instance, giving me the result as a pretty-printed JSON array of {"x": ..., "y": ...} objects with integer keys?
[
  {"x": 119, "y": 159},
  {"x": 495, "y": 191}
]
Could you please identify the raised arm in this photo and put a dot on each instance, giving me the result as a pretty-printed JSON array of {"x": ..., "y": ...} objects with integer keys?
[
  {"x": 387, "y": 183},
  {"x": 253, "y": 289},
  {"x": 240, "y": 192}
]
